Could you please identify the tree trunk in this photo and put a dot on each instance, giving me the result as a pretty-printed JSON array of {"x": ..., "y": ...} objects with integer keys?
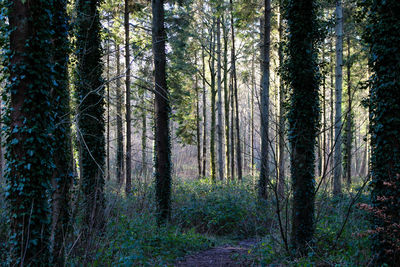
[
  {"x": 162, "y": 114},
  {"x": 28, "y": 120},
  {"x": 349, "y": 119},
  {"x": 383, "y": 40},
  {"x": 303, "y": 117},
  {"x": 265, "y": 24},
  {"x": 63, "y": 159},
  {"x": 91, "y": 125},
  {"x": 204, "y": 114},
  {"x": 198, "y": 135},
  {"x": 108, "y": 101},
  {"x": 253, "y": 89},
  {"x": 226, "y": 102},
  {"x": 211, "y": 64},
  {"x": 337, "y": 179},
  {"x": 128, "y": 185},
  {"x": 144, "y": 134},
  {"x": 120, "y": 136},
  {"x": 282, "y": 95},
  {"x": 219, "y": 104},
  {"x": 232, "y": 130},
  {"x": 235, "y": 90}
]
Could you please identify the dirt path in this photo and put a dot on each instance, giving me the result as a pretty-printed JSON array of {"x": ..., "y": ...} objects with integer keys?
[{"x": 227, "y": 255}]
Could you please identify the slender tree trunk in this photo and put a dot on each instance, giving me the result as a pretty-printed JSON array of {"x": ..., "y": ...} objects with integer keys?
[
  {"x": 253, "y": 89},
  {"x": 324, "y": 114},
  {"x": 120, "y": 136},
  {"x": 265, "y": 24},
  {"x": 226, "y": 101},
  {"x": 144, "y": 134},
  {"x": 128, "y": 185},
  {"x": 235, "y": 90},
  {"x": 219, "y": 104},
  {"x": 204, "y": 114},
  {"x": 198, "y": 134},
  {"x": 331, "y": 128},
  {"x": 282, "y": 95},
  {"x": 337, "y": 179},
  {"x": 162, "y": 114},
  {"x": 213, "y": 95},
  {"x": 108, "y": 101},
  {"x": 232, "y": 130},
  {"x": 349, "y": 119}
]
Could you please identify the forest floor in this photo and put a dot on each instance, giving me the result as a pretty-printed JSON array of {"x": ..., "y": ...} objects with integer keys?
[{"x": 226, "y": 255}]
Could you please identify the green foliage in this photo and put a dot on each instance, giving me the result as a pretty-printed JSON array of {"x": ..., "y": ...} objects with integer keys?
[
  {"x": 132, "y": 236},
  {"x": 219, "y": 209},
  {"x": 181, "y": 70}
]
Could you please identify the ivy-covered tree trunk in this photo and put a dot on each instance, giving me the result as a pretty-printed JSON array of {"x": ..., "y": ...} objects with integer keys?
[
  {"x": 337, "y": 177},
  {"x": 303, "y": 116},
  {"x": 91, "y": 126},
  {"x": 162, "y": 113},
  {"x": 120, "y": 135},
  {"x": 30, "y": 123},
  {"x": 383, "y": 37},
  {"x": 63, "y": 173},
  {"x": 128, "y": 178},
  {"x": 265, "y": 24}
]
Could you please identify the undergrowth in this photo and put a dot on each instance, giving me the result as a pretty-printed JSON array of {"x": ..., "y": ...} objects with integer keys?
[
  {"x": 329, "y": 248},
  {"x": 204, "y": 215}
]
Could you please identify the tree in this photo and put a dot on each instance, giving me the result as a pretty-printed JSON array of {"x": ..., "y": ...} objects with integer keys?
[
  {"x": 265, "y": 58},
  {"x": 162, "y": 112},
  {"x": 120, "y": 136},
  {"x": 236, "y": 102},
  {"x": 348, "y": 133},
  {"x": 128, "y": 102},
  {"x": 219, "y": 103},
  {"x": 282, "y": 99},
  {"x": 89, "y": 86},
  {"x": 213, "y": 92},
  {"x": 203, "y": 65},
  {"x": 29, "y": 135},
  {"x": 382, "y": 36},
  {"x": 63, "y": 160},
  {"x": 303, "y": 80},
  {"x": 337, "y": 177}
]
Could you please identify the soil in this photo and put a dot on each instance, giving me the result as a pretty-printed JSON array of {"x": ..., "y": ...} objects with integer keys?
[{"x": 227, "y": 255}]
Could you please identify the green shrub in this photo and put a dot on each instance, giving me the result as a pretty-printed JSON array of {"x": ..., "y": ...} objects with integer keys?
[{"x": 218, "y": 209}]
